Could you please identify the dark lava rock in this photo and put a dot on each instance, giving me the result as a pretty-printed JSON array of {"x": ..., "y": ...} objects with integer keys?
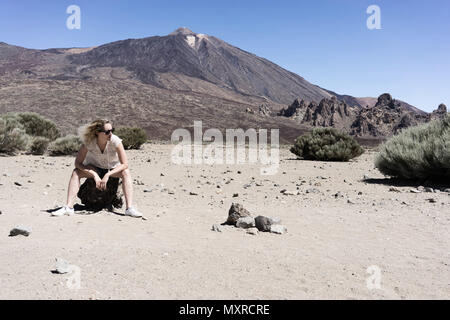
[
  {"x": 236, "y": 211},
  {"x": 96, "y": 200},
  {"x": 263, "y": 223}
]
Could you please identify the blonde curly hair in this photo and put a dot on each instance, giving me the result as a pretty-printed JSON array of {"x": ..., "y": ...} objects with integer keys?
[{"x": 89, "y": 132}]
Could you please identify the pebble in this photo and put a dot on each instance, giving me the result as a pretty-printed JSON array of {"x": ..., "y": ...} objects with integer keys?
[
  {"x": 216, "y": 227},
  {"x": 61, "y": 266},
  {"x": 392, "y": 189},
  {"x": 415, "y": 191},
  {"x": 278, "y": 229},
  {"x": 20, "y": 230},
  {"x": 253, "y": 231},
  {"x": 245, "y": 222},
  {"x": 263, "y": 223},
  {"x": 193, "y": 193},
  {"x": 18, "y": 184}
]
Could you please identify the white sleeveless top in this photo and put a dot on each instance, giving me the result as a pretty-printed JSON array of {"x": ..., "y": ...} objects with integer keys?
[{"x": 108, "y": 159}]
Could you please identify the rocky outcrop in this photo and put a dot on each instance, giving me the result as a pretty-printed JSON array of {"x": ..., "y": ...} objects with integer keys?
[
  {"x": 329, "y": 113},
  {"x": 387, "y": 117},
  {"x": 296, "y": 110},
  {"x": 439, "y": 113},
  {"x": 264, "y": 110}
]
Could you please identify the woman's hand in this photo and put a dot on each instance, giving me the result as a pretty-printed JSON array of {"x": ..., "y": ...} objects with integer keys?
[
  {"x": 98, "y": 182},
  {"x": 104, "y": 181}
]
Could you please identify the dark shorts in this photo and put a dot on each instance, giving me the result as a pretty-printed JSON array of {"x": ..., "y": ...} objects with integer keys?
[{"x": 101, "y": 172}]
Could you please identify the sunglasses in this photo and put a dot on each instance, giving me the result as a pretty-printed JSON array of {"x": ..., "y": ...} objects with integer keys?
[{"x": 107, "y": 131}]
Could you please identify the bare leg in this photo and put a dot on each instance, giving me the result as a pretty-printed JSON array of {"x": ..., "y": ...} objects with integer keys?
[
  {"x": 127, "y": 186},
  {"x": 74, "y": 186}
]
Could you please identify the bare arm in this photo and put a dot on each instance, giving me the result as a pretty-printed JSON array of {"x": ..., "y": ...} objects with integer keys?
[
  {"x": 123, "y": 160},
  {"x": 89, "y": 170}
]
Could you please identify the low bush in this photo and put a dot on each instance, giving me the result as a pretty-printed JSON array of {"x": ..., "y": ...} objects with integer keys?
[
  {"x": 39, "y": 145},
  {"x": 418, "y": 153},
  {"x": 326, "y": 144},
  {"x": 68, "y": 145},
  {"x": 38, "y": 126},
  {"x": 13, "y": 137},
  {"x": 132, "y": 137}
]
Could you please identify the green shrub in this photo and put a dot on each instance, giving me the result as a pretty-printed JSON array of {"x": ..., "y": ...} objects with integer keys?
[
  {"x": 418, "y": 153},
  {"x": 67, "y": 145},
  {"x": 132, "y": 137},
  {"x": 326, "y": 144},
  {"x": 12, "y": 135},
  {"x": 38, "y": 126},
  {"x": 39, "y": 145}
]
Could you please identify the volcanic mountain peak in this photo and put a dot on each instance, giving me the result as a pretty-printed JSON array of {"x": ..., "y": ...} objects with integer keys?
[{"x": 183, "y": 31}]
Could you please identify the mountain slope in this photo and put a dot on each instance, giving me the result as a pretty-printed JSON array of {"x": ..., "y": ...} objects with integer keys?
[{"x": 203, "y": 57}]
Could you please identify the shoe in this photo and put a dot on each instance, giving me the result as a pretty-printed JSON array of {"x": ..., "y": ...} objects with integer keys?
[
  {"x": 63, "y": 211},
  {"x": 132, "y": 212}
]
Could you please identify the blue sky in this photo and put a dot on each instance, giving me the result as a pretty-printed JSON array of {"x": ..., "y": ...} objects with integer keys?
[{"x": 324, "y": 41}]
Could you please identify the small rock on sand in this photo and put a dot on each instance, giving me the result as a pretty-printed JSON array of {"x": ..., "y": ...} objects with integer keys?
[
  {"x": 245, "y": 222},
  {"x": 263, "y": 223},
  {"x": 278, "y": 229},
  {"x": 237, "y": 211},
  {"x": 61, "y": 266},
  {"x": 216, "y": 227},
  {"x": 20, "y": 230},
  {"x": 253, "y": 231}
]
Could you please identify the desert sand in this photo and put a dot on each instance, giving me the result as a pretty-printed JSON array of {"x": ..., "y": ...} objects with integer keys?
[{"x": 174, "y": 254}]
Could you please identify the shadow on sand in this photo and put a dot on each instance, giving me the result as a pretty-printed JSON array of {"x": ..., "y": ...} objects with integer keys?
[
  {"x": 83, "y": 210},
  {"x": 397, "y": 182}
]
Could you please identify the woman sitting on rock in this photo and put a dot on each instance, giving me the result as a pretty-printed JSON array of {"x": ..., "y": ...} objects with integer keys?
[{"x": 100, "y": 157}]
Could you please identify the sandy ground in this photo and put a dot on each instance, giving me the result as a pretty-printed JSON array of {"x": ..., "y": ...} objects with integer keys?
[{"x": 173, "y": 254}]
